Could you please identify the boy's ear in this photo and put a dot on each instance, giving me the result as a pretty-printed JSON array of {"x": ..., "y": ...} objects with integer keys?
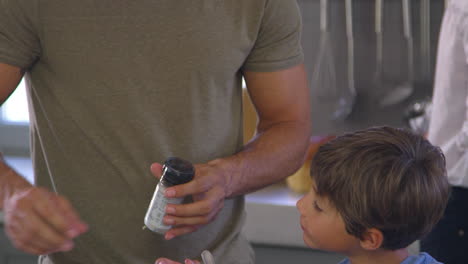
[{"x": 372, "y": 239}]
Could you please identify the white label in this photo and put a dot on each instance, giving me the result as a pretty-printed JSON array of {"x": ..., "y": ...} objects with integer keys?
[{"x": 155, "y": 214}]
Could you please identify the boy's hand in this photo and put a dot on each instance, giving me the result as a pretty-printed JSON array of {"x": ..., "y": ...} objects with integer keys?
[{"x": 168, "y": 261}]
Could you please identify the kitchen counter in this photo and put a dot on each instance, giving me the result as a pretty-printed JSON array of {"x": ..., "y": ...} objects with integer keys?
[
  {"x": 275, "y": 203},
  {"x": 272, "y": 217}
]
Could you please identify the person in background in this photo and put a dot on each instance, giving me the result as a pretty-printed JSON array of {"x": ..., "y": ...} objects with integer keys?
[
  {"x": 374, "y": 192},
  {"x": 448, "y": 128},
  {"x": 115, "y": 88}
]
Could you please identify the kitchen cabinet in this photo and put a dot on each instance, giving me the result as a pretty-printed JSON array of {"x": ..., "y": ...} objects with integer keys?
[
  {"x": 265, "y": 254},
  {"x": 10, "y": 255},
  {"x": 14, "y": 259}
]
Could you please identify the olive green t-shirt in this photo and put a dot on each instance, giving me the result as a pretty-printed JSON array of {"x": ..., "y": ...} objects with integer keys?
[{"x": 114, "y": 86}]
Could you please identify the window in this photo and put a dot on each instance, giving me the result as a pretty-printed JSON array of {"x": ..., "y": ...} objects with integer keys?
[
  {"x": 15, "y": 109},
  {"x": 14, "y": 123}
]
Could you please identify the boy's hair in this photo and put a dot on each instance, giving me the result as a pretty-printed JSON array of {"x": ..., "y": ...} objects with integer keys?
[{"x": 385, "y": 178}]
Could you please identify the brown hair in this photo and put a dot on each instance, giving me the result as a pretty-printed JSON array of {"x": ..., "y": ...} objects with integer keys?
[{"x": 385, "y": 178}]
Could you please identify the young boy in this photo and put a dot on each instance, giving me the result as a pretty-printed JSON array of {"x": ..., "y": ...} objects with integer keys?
[{"x": 374, "y": 192}]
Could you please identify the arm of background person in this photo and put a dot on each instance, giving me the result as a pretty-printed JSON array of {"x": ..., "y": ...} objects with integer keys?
[
  {"x": 277, "y": 150},
  {"x": 456, "y": 149},
  {"x": 36, "y": 220},
  {"x": 450, "y": 87}
]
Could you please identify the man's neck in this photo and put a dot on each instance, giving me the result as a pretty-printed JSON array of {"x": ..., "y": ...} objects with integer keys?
[{"x": 380, "y": 256}]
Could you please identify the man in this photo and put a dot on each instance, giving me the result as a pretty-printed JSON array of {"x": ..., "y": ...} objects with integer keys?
[
  {"x": 449, "y": 129},
  {"x": 116, "y": 87}
]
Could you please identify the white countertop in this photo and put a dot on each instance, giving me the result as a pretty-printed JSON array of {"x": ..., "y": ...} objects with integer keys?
[{"x": 272, "y": 217}]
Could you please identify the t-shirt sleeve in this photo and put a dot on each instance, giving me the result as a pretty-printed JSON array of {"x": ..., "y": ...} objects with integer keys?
[
  {"x": 278, "y": 44},
  {"x": 19, "y": 38}
]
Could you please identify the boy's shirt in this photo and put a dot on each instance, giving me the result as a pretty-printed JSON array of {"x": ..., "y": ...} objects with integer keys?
[{"x": 422, "y": 258}]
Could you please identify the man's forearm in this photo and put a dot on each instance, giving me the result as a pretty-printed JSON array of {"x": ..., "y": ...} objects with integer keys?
[
  {"x": 9, "y": 182},
  {"x": 269, "y": 157}
]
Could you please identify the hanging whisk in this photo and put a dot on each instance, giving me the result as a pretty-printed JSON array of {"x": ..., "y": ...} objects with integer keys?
[
  {"x": 405, "y": 89},
  {"x": 348, "y": 95},
  {"x": 335, "y": 100},
  {"x": 324, "y": 75}
]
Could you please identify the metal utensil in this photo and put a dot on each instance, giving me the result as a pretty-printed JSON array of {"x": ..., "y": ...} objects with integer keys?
[
  {"x": 404, "y": 90},
  {"x": 346, "y": 102},
  {"x": 346, "y": 93},
  {"x": 324, "y": 75},
  {"x": 335, "y": 100},
  {"x": 381, "y": 83},
  {"x": 425, "y": 30},
  {"x": 207, "y": 257},
  {"x": 418, "y": 114}
]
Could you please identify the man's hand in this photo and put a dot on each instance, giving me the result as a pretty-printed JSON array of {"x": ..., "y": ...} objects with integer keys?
[
  {"x": 40, "y": 222},
  {"x": 209, "y": 188}
]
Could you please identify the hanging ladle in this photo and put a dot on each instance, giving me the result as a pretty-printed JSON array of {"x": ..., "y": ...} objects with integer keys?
[{"x": 404, "y": 90}]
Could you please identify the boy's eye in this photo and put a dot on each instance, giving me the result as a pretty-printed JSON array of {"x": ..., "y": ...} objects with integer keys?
[{"x": 317, "y": 207}]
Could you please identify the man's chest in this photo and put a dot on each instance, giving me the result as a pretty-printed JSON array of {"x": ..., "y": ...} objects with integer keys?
[{"x": 209, "y": 35}]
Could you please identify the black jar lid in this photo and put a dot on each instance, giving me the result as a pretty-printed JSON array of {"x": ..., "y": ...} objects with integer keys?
[{"x": 177, "y": 171}]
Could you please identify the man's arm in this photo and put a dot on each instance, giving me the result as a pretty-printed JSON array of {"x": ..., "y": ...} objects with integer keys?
[
  {"x": 277, "y": 150},
  {"x": 282, "y": 102},
  {"x": 36, "y": 220},
  {"x": 10, "y": 77}
]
